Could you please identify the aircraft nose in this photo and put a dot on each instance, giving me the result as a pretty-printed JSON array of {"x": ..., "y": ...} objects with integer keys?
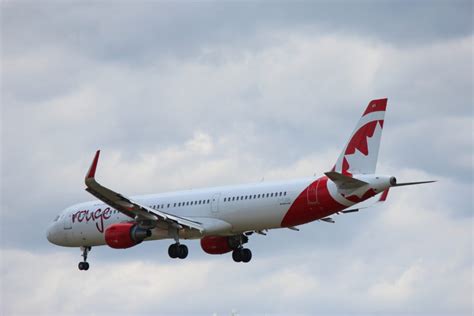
[
  {"x": 48, "y": 234},
  {"x": 51, "y": 234}
]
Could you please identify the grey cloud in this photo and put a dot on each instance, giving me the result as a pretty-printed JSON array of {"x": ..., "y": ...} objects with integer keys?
[{"x": 129, "y": 31}]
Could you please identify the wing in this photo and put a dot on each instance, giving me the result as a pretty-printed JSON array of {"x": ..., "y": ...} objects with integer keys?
[{"x": 137, "y": 211}]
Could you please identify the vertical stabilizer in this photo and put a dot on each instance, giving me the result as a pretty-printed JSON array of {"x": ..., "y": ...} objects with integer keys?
[{"x": 361, "y": 151}]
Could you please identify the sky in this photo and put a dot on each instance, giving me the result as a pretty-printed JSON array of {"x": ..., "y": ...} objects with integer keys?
[{"x": 181, "y": 95}]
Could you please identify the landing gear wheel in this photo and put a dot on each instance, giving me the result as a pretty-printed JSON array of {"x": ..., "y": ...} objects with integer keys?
[
  {"x": 237, "y": 255},
  {"x": 173, "y": 251},
  {"x": 182, "y": 251},
  {"x": 178, "y": 251},
  {"x": 246, "y": 255},
  {"x": 84, "y": 265},
  {"x": 242, "y": 255}
]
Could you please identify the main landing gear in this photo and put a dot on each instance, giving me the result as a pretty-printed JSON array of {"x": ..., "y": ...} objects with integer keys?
[
  {"x": 178, "y": 250},
  {"x": 84, "y": 265},
  {"x": 240, "y": 254}
]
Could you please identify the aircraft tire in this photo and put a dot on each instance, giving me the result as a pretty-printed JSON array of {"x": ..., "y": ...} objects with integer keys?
[
  {"x": 173, "y": 251},
  {"x": 237, "y": 255},
  {"x": 182, "y": 251},
  {"x": 246, "y": 255}
]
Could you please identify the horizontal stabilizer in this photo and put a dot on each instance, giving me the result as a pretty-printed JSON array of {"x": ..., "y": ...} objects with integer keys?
[{"x": 344, "y": 182}]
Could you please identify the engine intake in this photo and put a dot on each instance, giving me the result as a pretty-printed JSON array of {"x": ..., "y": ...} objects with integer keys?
[{"x": 125, "y": 235}]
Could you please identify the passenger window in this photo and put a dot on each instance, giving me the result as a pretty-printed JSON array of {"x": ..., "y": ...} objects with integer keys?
[
  {"x": 208, "y": 201},
  {"x": 271, "y": 195},
  {"x": 268, "y": 194},
  {"x": 233, "y": 198},
  {"x": 168, "y": 206},
  {"x": 284, "y": 193},
  {"x": 225, "y": 199},
  {"x": 191, "y": 202},
  {"x": 280, "y": 193}
]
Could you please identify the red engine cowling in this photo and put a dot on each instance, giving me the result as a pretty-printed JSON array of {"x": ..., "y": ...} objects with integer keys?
[
  {"x": 125, "y": 235},
  {"x": 217, "y": 245}
]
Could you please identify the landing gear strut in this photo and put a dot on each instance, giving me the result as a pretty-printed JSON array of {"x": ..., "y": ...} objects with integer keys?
[
  {"x": 84, "y": 265},
  {"x": 178, "y": 250}
]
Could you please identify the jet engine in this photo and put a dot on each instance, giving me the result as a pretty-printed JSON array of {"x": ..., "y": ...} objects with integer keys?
[
  {"x": 125, "y": 235},
  {"x": 217, "y": 245}
]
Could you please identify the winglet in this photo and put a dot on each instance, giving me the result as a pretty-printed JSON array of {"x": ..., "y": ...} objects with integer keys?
[{"x": 93, "y": 167}]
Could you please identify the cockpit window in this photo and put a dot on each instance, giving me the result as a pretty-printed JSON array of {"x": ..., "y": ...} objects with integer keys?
[{"x": 56, "y": 219}]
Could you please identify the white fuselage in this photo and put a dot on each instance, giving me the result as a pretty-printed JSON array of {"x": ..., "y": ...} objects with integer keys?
[{"x": 227, "y": 210}]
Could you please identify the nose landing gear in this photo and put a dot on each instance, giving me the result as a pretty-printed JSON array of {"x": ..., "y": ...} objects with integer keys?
[{"x": 84, "y": 265}]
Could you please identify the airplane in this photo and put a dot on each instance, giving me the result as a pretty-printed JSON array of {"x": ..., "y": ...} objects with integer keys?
[{"x": 223, "y": 218}]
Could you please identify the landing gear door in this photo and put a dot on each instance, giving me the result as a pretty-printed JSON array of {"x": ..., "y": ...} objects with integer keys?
[{"x": 215, "y": 203}]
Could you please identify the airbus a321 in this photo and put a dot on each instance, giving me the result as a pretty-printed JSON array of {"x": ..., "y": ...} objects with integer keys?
[{"x": 224, "y": 218}]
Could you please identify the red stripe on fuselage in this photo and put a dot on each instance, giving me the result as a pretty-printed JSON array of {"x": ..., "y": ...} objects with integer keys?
[{"x": 302, "y": 211}]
